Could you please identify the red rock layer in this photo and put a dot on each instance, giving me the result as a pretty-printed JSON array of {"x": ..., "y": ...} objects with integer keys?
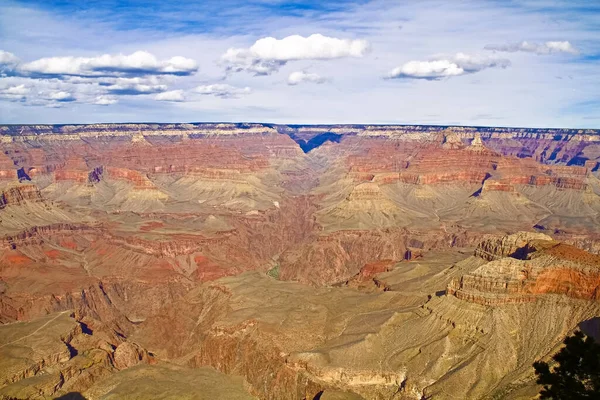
[
  {"x": 71, "y": 176},
  {"x": 412, "y": 162},
  {"x": 573, "y": 283},
  {"x": 442, "y": 177},
  {"x": 549, "y": 267},
  {"x": 8, "y": 171},
  {"x": 368, "y": 272},
  {"x": 139, "y": 180},
  {"x": 247, "y": 153}
]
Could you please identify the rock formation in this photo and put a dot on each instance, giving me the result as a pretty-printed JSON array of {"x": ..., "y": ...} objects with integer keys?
[
  {"x": 526, "y": 265},
  {"x": 346, "y": 261}
]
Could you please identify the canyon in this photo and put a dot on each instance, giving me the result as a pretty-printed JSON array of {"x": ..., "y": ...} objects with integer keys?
[{"x": 239, "y": 261}]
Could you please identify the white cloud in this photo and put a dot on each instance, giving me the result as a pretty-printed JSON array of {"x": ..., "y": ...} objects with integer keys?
[
  {"x": 427, "y": 70},
  {"x": 528, "y": 95},
  {"x": 8, "y": 58},
  {"x": 222, "y": 90},
  {"x": 54, "y": 81},
  {"x": 17, "y": 92},
  {"x": 313, "y": 47},
  {"x": 8, "y": 61},
  {"x": 124, "y": 86},
  {"x": 53, "y": 92},
  {"x": 105, "y": 100},
  {"x": 61, "y": 96},
  {"x": 457, "y": 65},
  {"x": 172, "y": 95},
  {"x": 138, "y": 63},
  {"x": 20, "y": 90},
  {"x": 541, "y": 49},
  {"x": 238, "y": 60},
  {"x": 475, "y": 63},
  {"x": 298, "y": 77},
  {"x": 266, "y": 55},
  {"x": 132, "y": 89}
]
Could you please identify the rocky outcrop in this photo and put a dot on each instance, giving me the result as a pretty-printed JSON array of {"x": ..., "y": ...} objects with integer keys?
[
  {"x": 36, "y": 235},
  {"x": 19, "y": 194},
  {"x": 26, "y": 349},
  {"x": 477, "y": 144},
  {"x": 56, "y": 354},
  {"x": 369, "y": 271},
  {"x": 525, "y": 266},
  {"x": 138, "y": 180},
  {"x": 452, "y": 141},
  {"x": 507, "y": 246},
  {"x": 129, "y": 354},
  {"x": 273, "y": 365}
]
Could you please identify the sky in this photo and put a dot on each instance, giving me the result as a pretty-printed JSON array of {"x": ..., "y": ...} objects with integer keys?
[{"x": 532, "y": 63}]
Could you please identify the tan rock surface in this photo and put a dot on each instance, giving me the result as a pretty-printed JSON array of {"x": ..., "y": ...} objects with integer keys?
[
  {"x": 169, "y": 382},
  {"x": 296, "y": 340},
  {"x": 28, "y": 347}
]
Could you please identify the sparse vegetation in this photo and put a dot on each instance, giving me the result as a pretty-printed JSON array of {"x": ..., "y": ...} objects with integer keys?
[
  {"x": 577, "y": 371},
  {"x": 274, "y": 272}
]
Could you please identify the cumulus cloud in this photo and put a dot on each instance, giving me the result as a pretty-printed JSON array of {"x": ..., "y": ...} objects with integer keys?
[
  {"x": 315, "y": 47},
  {"x": 266, "y": 55},
  {"x": 222, "y": 90},
  {"x": 61, "y": 96},
  {"x": 105, "y": 100},
  {"x": 256, "y": 66},
  {"x": 52, "y": 92},
  {"x": 446, "y": 67},
  {"x": 172, "y": 95},
  {"x": 427, "y": 70},
  {"x": 15, "y": 93},
  {"x": 55, "y": 81},
  {"x": 298, "y": 77},
  {"x": 138, "y": 63},
  {"x": 134, "y": 89},
  {"x": 130, "y": 86},
  {"x": 8, "y": 61},
  {"x": 541, "y": 49}
]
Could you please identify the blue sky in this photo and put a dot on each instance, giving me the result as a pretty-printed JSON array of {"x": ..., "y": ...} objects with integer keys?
[{"x": 500, "y": 63}]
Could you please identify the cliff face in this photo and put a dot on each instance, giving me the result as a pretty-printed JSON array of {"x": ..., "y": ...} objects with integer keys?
[
  {"x": 511, "y": 245},
  {"x": 318, "y": 216},
  {"x": 526, "y": 265},
  {"x": 390, "y": 183},
  {"x": 16, "y": 195}
]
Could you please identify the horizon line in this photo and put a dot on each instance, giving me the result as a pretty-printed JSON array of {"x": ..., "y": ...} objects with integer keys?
[{"x": 303, "y": 125}]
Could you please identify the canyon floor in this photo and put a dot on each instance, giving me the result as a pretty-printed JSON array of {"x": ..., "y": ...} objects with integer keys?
[{"x": 239, "y": 261}]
